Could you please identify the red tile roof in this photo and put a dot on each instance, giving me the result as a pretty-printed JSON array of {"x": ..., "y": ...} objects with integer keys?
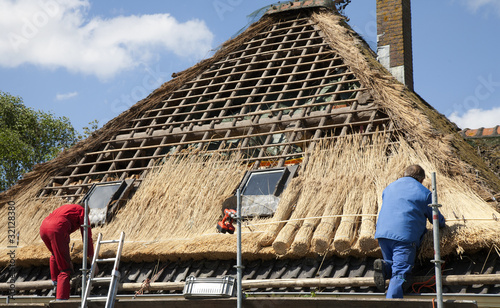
[{"x": 481, "y": 132}]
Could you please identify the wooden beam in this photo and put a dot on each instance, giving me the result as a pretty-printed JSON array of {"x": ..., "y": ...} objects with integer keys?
[
  {"x": 268, "y": 121},
  {"x": 263, "y": 78},
  {"x": 274, "y": 110},
  {"x": 223, "y": 99}
]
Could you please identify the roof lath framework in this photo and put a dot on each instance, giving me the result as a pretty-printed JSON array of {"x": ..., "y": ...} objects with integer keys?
[{"x": 269, "y": 100}]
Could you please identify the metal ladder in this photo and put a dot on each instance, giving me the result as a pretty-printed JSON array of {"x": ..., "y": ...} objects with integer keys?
[{"x": 113, "y": 279}]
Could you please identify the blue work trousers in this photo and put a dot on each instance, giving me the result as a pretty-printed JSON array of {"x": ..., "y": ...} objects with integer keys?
[{"x": 399, "y": 259}]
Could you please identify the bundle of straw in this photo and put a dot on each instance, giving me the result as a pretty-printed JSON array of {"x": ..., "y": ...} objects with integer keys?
[
  {"x": 346, "y": 183},
  {"x": 326, "y": 229},
  {"x": 287, "y": 203},
  {"x": 318, "y": 172},
  {"x": 302, "y": 240},
  {"x": 366, "y": 240},
  {"x": 346, "y": 232},
  {"x": 285, "y": 237}
]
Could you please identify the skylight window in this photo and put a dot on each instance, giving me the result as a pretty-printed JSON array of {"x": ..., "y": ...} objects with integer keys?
[
  {"x": 260, "y": 190},
  {"x": 263, "y": 183},
  {"x": 103, "y": 198}
]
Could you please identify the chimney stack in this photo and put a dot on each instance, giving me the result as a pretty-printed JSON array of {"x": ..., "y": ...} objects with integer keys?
[{"x": 394, "y": 48}]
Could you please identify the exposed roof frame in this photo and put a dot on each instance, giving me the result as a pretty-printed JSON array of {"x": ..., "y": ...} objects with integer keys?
[{"x": 270, "y": 100}]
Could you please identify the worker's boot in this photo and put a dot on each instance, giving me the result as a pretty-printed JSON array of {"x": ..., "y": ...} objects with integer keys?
[{"x": 379, "y": 275}]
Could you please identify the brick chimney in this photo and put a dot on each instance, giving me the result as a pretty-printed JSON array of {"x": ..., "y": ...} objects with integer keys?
[{"x": 394, "y": 39}]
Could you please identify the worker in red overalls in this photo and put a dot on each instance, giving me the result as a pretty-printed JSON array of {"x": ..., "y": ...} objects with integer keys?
[{"x": 55, "y": 231}]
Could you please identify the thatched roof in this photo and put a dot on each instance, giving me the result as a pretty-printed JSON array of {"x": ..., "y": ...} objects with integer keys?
[
  {"x": 298, "y": 85},
  {"x": 486, "y": 141}
]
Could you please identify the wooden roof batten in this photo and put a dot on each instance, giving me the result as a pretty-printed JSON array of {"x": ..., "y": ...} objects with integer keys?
[{"x": 286, "y": 81}]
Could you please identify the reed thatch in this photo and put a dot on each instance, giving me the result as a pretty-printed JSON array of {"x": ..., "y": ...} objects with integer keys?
[
  {"x": 415, "y": 117},
  {"x": 348, "y": 226},
  {"x": 330, "y": 208},
  {"x": 170, "y": 222}
]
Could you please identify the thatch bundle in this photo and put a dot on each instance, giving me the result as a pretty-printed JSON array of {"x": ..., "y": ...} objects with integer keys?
[
  {"x": 366, "y": 169},
  {"x": 346, "y": 232},
  {"x": 285, "y": 237},
  {"x": 332, "y": 211},
  {"x": 318, "y": 170},
  {"x": 368, "y": 221},
  {"x": 287, "y": 204}
]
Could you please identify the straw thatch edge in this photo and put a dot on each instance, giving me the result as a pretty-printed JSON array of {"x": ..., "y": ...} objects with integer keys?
[{"x": 418, "y": 119}]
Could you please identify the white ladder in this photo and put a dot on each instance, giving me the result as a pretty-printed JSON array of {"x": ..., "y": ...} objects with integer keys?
[{"x": 113, "y": 279}]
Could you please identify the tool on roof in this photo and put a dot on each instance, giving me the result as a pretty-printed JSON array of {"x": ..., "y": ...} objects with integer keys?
[
  {"x": 113, "y": 279},
  {"x": 226, "y": 224}
]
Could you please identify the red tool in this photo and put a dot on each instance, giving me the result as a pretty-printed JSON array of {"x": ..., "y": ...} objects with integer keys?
[{"x": 226, "y": 224}]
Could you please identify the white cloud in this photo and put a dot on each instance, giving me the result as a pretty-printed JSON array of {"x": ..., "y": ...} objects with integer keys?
[
  {"x": 476, "y": 5},
  {"x": 65, "y": 96},
  {"x": 476, "y": 118},
  {"x": 62, "y": 33}
]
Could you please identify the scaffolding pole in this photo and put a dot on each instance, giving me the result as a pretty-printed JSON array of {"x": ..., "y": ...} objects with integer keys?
[
  {"x": 239, "y": 266},
  {"x": 437, "y": 251}
]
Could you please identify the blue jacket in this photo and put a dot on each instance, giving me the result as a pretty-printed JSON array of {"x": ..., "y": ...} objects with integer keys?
[{"x": 405, "y": 209}]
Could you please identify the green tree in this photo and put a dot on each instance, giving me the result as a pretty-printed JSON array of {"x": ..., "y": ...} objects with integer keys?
[
  {"x": 28, "y": 137},
  {"x": 89, "y": 130}
]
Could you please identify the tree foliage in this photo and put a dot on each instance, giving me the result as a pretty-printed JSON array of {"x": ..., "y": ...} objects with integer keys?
[
  {"x": 89, "y": 130},
  {"x": 28, "y": 137}
]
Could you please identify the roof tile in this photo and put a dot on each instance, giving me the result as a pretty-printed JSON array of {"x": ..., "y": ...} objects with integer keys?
[
  {"x": 471, "y": 132},
  {"x": 488, "y": 131},
  {"x": 481, "y": 132},
  {"x": 301, "y": 268}
]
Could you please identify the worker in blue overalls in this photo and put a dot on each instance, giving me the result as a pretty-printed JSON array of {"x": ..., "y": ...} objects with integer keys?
[{"x": 401, "y": 226}]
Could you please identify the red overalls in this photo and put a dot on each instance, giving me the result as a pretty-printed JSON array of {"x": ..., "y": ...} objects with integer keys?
[{"x": 55, "y": 231}]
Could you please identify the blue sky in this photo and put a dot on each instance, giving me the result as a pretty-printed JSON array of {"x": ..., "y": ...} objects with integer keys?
[{"x": 91, "y": 60}]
